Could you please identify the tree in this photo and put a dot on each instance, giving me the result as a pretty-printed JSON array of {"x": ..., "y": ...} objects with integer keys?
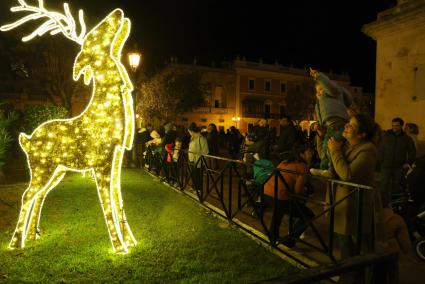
[
  {"x": 169, "y": 94},
  {"x": 44, "y": 68},
  {"x": 54, "y": 72},
  {"x": 300, "y": 102}
]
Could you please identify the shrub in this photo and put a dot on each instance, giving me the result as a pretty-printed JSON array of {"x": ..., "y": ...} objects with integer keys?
[
  {"x": 37, "y": 114},
  {"x": 5, "y": 141},
  {"x": 5, "y": 137}
]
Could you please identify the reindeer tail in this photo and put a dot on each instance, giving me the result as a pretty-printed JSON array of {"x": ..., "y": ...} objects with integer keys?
[{"x": 24, "y": 141}]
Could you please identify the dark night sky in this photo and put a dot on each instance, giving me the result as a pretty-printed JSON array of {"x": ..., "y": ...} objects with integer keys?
[{"x": 323, "y": 34}]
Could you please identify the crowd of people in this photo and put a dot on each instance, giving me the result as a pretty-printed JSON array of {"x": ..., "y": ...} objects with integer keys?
[{"x": 342, "y": 144}]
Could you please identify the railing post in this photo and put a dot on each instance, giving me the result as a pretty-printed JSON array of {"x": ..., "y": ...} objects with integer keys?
[
  {"x": 359, "y": 221},
  {"x": 230, "y": 191},
  {"x": 275, "y": 207},
  {"x": 331, "y": 219},
  {"x": 239, "y": 194},
  {"x": 202, "y": 162},
  {"x": 208, "y": 181},
  {"x": 222, "y": 185}
]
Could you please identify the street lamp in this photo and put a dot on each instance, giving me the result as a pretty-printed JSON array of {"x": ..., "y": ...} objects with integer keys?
[
  {"x": 134, "y": 59},
  {"x": 236, "y": 119}
]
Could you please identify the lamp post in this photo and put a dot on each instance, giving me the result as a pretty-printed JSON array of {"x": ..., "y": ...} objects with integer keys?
[{"x": 134, "y": 59}]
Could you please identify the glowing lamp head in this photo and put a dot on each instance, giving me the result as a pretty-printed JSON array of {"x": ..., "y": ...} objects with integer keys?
[{"x": 134, "y": 59}]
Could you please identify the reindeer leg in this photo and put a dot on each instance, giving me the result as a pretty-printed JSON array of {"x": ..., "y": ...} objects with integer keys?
[
  {"x": 39, "y": 182},
  {"x": 117, "y": 198},
  {"x": 33, "y": 232},
  {"x": 18, "y": 238},
  {"x": 104, "y": 188}
]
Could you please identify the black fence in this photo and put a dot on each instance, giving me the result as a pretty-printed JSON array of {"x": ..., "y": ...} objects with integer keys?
[{"x": 223, "y": 185}]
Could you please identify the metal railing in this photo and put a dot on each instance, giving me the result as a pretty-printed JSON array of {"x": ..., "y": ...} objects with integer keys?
[
  {"x": 221, "y": 185},
  {"x": 262, "y": 114}
]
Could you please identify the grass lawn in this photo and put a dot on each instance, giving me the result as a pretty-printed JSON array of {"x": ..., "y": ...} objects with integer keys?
[{"x": 179, "y": 241}]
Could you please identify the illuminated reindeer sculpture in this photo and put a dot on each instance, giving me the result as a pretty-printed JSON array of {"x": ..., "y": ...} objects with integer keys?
[{"x": 93, "y": 141}]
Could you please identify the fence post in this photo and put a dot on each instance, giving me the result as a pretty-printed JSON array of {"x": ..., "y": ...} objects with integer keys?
[
  {"x": 359, "y": 221},
  {"x": 331, "y": 219},
  {"x": 230, "y": 190}
]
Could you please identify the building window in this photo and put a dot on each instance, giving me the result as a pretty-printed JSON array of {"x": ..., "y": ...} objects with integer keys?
[
  {"x": 251, "y": 84},
  {"x": 184, "y": 119},
  {"x": 221, "y": 120},
  {"x": 218, "y": 97},
  {"x": 203, "y": 120},
  {"x": 282, "y": 111},
  {"x": 267, "y": 110},
  {"x": 267, "y": 85},
  {"x": 283, "y": 87}
]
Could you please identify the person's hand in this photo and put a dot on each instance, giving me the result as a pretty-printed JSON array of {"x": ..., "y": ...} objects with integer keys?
[
  {"x": 333, "y": 144},
  {"x": 313, "y": 72}
]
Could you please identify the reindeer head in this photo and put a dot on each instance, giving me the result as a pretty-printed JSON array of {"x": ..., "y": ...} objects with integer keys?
[{"x": 92, "y": 53}]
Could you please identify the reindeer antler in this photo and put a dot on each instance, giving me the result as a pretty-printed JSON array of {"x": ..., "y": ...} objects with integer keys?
[{"x": 56, "y": 22}]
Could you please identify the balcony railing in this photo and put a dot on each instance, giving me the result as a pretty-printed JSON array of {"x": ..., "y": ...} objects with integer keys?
[
  {"x": 262, "y": 115},
  {"x": 214, "y": 110}
]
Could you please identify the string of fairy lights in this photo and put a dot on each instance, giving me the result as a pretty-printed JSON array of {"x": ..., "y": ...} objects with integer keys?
[{"x": 93, "y": 141}]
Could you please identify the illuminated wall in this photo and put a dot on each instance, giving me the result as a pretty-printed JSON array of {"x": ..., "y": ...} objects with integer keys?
[{"x": 399, "y": 33}]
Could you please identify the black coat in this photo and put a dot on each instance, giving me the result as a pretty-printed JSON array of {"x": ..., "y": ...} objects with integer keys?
[
  {"x": 396, "y": 150},
  {"x": 287, "y": 138},
  {"x": 213, "y": 144}
]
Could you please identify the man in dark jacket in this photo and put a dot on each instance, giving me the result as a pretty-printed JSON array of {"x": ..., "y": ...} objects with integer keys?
[
  {"x": 142, "y": 136},
  {"x": 288, "y": 135},
  {"x": 262, "y": 140},
  {"x": 396, "y": 152}
]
